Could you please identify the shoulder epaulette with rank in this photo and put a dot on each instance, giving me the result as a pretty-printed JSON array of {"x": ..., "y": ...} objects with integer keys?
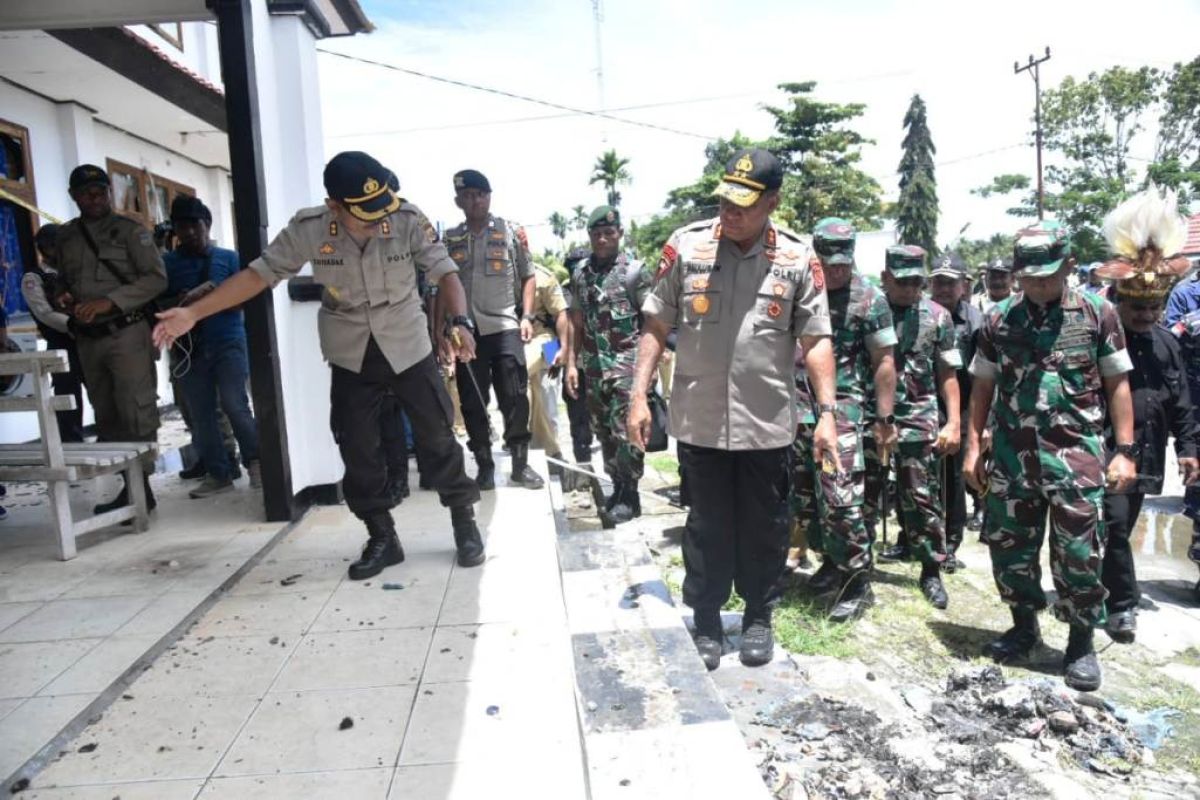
[{"x": 310, "y": 213}]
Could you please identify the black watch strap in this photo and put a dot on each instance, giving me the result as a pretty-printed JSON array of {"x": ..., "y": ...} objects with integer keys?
[
  {"x": 1128, "y": 450},
  {"x": 890, "y": 419},
  {"x": 464, "y": 321}
]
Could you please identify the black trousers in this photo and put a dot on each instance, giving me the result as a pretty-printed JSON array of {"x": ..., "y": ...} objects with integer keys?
[
  {"x": 500, "y": 363},
  {"x": 956, "y": 498},
  {"x": 736, "y": 534},
  {"x": 1117, "y": 572},
  {"x": 358, "y": 400},
  {"x": 395, "y": 444},
  {"x": 581, "y": 421},
  {"x": 70, "y": 423}
]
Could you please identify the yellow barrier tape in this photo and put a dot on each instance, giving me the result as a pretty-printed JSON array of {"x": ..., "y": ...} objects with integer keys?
[{"x": 14, "y": 199}]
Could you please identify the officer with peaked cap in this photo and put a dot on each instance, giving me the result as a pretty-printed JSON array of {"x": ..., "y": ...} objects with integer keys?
[
  {"x": 497, "y": 274},
  {"x": 741, "y": 290},
  {"x": 366, "y": 245}
]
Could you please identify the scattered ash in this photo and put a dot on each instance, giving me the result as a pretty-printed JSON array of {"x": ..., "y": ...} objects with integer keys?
[{"x": 819, "y": 747}]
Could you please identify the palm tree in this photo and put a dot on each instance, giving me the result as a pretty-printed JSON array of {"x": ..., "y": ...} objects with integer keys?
[
  {"x": 559, "y": 225},
  {"x": 610, "y": 170},
  {"x": 580, "y": 218}
]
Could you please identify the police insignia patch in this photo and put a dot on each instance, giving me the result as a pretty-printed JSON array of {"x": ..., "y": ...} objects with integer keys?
[
  {"x": 818, "y": 275},
  {"x": 774, "y": 309},
  {"x": 778, "y": 289},
  {"x": 523, "y": 238},
  {"x": 497, "y": 266},
  {"x": 385, "y": 228},
  {"x": 666, "y": 260},
  {"x": 370, "y": 186},
  {"x": 701, "y": 304},
  {"x": 327, "y": 249}
]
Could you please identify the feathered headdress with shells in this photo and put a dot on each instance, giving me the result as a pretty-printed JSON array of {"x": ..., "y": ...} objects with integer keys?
[{"x": 1145, "y": 234}]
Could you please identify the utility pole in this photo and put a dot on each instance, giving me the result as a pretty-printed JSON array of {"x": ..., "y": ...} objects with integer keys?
[
  {"x": 598, "y": 21},
  {"x": 1033, "y": 68}
]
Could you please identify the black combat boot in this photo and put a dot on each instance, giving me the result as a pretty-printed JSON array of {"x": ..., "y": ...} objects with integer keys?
[
  {"x": 122, "y": 499},
  {"x": 382, "y": 549},
  {"x": 931, "y": 585},
  {"x": 758, "y": 641},
  {"x": 466, "y": 536},
  {"x": 624, "y": 504},
  {"x": 485, "y": 476},
  {"x": 710, "y": 637},
  {"x": 976, "y": 521},
  {"x": 856, "y": 598},
  {"x": 1122, "y": 626},
  {"x": 1016, "y": 642},
  {"x": 522, "y": 473},
  {"x": 952, "y": 563},
  {"x": 826, "y": 579},
  {"x": 1081, "y": 668}
]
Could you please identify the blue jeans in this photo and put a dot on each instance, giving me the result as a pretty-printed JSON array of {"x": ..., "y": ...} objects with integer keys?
[{"x": 220, "y": 369}]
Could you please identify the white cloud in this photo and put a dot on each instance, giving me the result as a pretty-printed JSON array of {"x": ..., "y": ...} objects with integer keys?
[{"x": 957, "y": 55}]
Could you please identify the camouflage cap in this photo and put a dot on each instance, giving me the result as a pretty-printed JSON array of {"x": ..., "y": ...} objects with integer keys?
[
  {"x": 1041, "y": 249},
  {"x": 833, "y": 239},
  {"x": 905, "y": 261},
  {"x": 604, "y": 215}
]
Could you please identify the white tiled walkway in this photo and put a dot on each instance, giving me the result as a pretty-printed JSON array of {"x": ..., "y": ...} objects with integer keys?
[{"x": 300, "y": 683}]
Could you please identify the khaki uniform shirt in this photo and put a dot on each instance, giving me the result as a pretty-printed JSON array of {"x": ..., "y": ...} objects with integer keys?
[
  {"x": 738, "y": 316},
  {"x": 124, "y": 244},
  {"x": 370, "y": 291},
  {"x": 548, "y": 302},
  {"x": 493, "y": 264}
]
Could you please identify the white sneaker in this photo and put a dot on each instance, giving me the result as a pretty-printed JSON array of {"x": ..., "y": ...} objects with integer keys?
[
  {"x": 254, "y": 470},
  {"x": 210, "y": 486}
]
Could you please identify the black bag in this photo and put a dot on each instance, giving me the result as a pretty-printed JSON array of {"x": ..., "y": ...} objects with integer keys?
[{"x": 657, "y": 442}]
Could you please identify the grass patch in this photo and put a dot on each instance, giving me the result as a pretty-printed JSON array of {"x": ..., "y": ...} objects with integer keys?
[
  {"x": 1190, "y": 657},
  {"x": 801, "y": 627},
  {"x": 663, "y": 462}
]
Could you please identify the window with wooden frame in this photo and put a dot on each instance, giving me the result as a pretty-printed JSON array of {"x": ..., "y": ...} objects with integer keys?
[
  {"x": 16, "y": 166},
  {"x": 142, "y": 195}
]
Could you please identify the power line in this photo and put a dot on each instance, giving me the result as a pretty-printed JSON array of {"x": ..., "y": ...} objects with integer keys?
[
  {"x": 516, "y": 96},
  {"x": 542, "y": 117}
]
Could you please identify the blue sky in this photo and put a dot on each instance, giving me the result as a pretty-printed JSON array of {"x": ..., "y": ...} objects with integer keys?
[{"x": 708, "y": 66}]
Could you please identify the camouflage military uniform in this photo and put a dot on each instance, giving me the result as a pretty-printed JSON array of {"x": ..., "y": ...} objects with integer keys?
[
  {"x": 832, "y": 518},
  {"x": 611, "y": 328},
  {"x": 926, "y": 340},
  {"x": 1048, "y": 449}
]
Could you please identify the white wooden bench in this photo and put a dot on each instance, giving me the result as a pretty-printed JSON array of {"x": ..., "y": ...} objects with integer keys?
[{"x": 56, "y": 464}]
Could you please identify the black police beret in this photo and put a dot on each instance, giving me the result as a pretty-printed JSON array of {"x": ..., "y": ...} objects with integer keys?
[
  {"x": 87, "y": 175},
  {"x": 471, "y": 179}
]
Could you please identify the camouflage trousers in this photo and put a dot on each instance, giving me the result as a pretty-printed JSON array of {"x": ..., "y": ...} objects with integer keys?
[
  {"x": 1014, "y": 528},
  {"x": 919, "y": 485},
  {"x": 828, "y": 507},
  {"x": 608, "y": 404}
]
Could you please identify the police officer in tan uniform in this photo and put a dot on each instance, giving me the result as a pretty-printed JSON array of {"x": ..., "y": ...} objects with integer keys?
[
  {"x": 497, "y": 274},
  {"x": 366, "y": 245},
  {"x": 549, "y": 324},
  {"x": 111, "y": 271},
  {"x": 742, "y": 291}
]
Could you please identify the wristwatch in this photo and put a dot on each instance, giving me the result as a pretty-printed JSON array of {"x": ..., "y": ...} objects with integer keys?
[
  {"x": 826, "y": 408},
  {"x": 1130, "y": 451},
  {"x": 464, "y": 321},
  {"x": 528, "y": 317},
  {"x": 889, "y": 419}
]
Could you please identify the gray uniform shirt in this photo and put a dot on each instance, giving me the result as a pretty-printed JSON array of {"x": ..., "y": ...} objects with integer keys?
[
  {"x": 124, "y": 244},
  {"x": 493, "y": 264},
  {"x": 370, "y": 291},
  {"x": 34, "y": 293},
  {"x": 738, "y": 316}
]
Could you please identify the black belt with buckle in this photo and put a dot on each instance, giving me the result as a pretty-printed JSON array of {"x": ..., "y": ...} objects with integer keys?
[{"x": 98, "y": 330}]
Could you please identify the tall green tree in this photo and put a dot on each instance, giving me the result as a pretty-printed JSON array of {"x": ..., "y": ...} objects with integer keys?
[
  {"x": 820, "y": 152},
  {"x": 612, "y": 171},
  {"x": 579, "y": 216},
  {"x": 917, "y": 209},
  {"x": 1095, "y": 131},
  {"x": 559, "y": 225}
]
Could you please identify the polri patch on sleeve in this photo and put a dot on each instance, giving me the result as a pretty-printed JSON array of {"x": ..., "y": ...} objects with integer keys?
[
  {"x": 666, "y": 261},
  {"x": 818, "y": 275}
]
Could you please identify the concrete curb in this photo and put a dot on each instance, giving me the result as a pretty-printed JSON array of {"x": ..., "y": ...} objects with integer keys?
[{"x": 652, "y": 721}]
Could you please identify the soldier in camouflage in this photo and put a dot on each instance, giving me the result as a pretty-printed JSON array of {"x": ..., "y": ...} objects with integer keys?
[
  {"x": 1052, "y": 357},
  {"x": 608, "y": 292},
  {"x": 828, "y": 505},
  {"x": 927, "y": 360}
]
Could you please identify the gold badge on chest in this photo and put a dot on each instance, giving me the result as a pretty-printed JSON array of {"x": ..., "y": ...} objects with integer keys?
[
  {"x": 327, "y": 249},
  {"x": 701, "y": 304}
]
